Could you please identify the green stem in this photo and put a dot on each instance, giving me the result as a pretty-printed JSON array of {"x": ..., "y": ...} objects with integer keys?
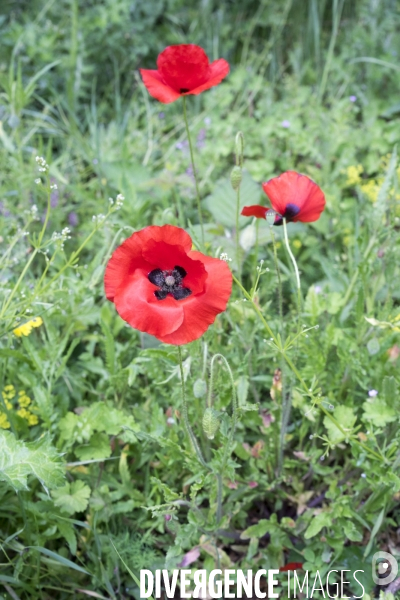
[
  {"x": 186, "y": 416},
  {"x": 357, "y": 271},
  {"x": 194, "y": 171},
  {"x": 258, "y": 311},
  {"x": 229, "y": 444},
  {"x": 46, "y": 219},
  {"x": 296, "y": 270},
  {"x": 238, "y": 257},
  {"x": 285, "y": 402}
]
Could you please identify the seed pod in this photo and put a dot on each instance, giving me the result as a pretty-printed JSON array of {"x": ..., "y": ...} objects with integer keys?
[
  {"x": 236, "y": 177},
  {"x": 199, "y": 388},
  {"x": 270, "y": 217},
  {"x": 210, "y": 423}
]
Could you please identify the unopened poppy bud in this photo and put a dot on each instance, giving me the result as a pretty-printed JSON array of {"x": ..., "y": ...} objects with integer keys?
[
  {"x": 210, "y": 423},
  {"x": 239, "y": 148},
  {"x": 199, "y": 388},
  {"x": 270, "y": 217},
  {"x": 236, "y": 177}
]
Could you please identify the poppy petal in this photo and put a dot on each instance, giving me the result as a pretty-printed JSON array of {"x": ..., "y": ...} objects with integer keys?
[
  {"x": 157, "y": 88},
  {"x": 200, "y": 311},
  {"x": 137, "y": 305},
  {"x": 183, "y": 67},
  {"x": 256, "y": 210},
  {"x": 219, "y": 69},
  {"x": 128, "y": 257}
]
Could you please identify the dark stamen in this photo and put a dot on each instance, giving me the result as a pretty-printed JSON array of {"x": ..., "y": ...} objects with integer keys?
[
  {"x": 183, "y": 90},
  {"x": 169, "y": 282},
  {"x": 290, "y": 212}
]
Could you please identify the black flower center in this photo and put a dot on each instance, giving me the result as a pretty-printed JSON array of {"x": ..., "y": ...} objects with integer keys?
[
  {"x": 290, "y": 212},
  {"x": 169, "y": 282},
  {"x": 183, "y": 90}
]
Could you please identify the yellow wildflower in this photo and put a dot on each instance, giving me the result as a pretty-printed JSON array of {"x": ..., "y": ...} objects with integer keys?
[
  {"x": 353, "y": 174},
  {"x": 32, "y": 419},
  {"x": 26, "y": 328},
  {"x": 24, "y": 401},
  {"x": 4, "y": 424},
  {"x": 23, "y": 413},
  {"x": 297, "y": 244},
  {"x": 371, "y": 190}
]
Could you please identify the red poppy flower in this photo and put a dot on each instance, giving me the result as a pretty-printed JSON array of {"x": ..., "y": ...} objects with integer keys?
[
  {"x": 183, "y": 70},
  {"x": 293, "y": 196},
  {"x": 160, "y": 286}
]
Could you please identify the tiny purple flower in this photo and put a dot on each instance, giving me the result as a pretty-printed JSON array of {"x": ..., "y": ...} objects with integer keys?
[
  {"x": 353, "y": 98},
  {"x": 161, "y": 115},
  {"x": 95, "y": 161},
  {"x": 317, "y": 289},
  {"x": 285, "y": 123},
  {"x": 73, "y": 219},
  {"x": 372, "y": 393},
  {"x": 207, "y": 121}
]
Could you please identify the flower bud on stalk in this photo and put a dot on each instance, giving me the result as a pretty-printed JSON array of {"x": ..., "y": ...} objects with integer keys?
[
  {"x": 210, "y": 422},
  {"x": 236, "y": 177}
]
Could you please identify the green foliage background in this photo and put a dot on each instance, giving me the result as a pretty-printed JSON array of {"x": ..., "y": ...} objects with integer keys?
[{"x": 108, "y": 458}]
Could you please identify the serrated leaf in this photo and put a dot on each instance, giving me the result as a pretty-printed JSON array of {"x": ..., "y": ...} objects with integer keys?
[
  {"x": 324, "y": 519},
  {"x": 377, "y": 411},
  {"x": 72, "y": 497},
  {"x": 168, "y": 494},
  {"x": 98, "y": 447},
  {"x": 19, "y": 460},
  {"x": 345, "y": 416}
]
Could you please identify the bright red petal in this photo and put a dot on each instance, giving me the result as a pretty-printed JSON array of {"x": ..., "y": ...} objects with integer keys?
[
  {"x": 157, "y": 88},
  {"x": 256, "y": 210},
  {"x": 219, "y": 69},
  {"x": 137, "y": 305},
  {"x": 130, "y": 255},
  {"x": 183, "y": 67},
  {"x": 201, "y": 310},
  {"x": 294, "y": 188}
]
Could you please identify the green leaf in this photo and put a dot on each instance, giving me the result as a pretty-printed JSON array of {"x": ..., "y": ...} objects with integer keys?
[
  {"x": 18, "y": 460},
  {"x": 98, "y": 447},
  {"x": 60, "y": 559},
  {"x": 351, "y": 531},
  {"x": 324, "y": 519},
  {"x": 72, "y": 497},
  {"x": 345, "y": 416},
  {"x": 169, "y": 494},
  {"x": 256, "y": 531},
  {"x": 377, "y": 411},
  {"x": 68, "y": 533}
]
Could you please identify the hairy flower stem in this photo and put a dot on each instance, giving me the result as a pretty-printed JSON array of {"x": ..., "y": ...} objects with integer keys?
[
  {"x": 238, "y": 257},
  {"x": 194, "y": 171},
  {"x": 285, "y": 393},
  {"x": 186, "y": 417},
  {"x": 296, "y": 270},
  {"x": 229, "y": 444}
]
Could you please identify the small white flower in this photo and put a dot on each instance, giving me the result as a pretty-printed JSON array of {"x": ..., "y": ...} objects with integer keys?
[{"x": 38, "y": 180}]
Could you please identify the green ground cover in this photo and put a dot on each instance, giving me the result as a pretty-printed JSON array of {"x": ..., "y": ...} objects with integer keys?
[{"x": 97, "y": 476}]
